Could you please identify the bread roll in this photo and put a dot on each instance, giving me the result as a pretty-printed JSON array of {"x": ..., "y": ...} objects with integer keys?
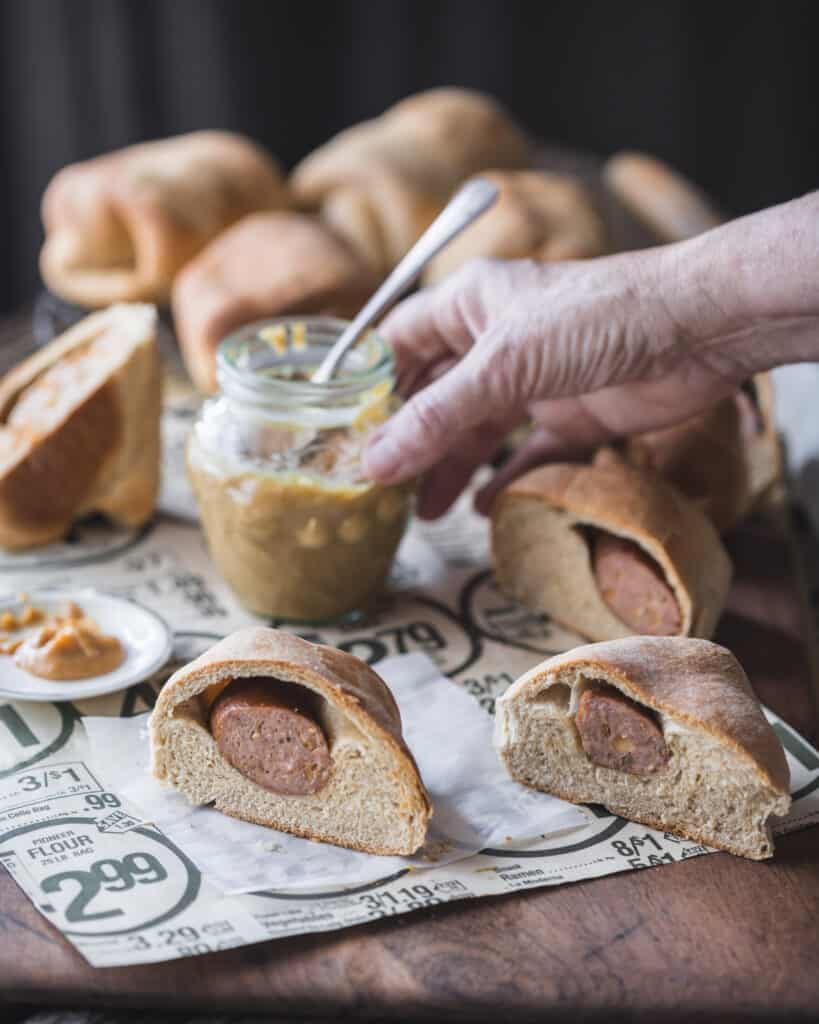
[
  {"x": 662, "y": 730},
  {"x": 119, "y": 227},
  {"x": 398, "y": 170},
  {"x": 548, "y": 532},
  {"x": 659, "y": 197},
  {"x": 371, "y": 799},
  {"x": 763, "y": 449},
  {"x": 723, "y": 459},
  {"x": 536, "y": 216},
  {"x": 79, "y": 429},
  {"x": 269, "y": 264}
]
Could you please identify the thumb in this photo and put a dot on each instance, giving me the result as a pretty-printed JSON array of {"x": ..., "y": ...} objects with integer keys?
[{"x": 426, "y": 429}]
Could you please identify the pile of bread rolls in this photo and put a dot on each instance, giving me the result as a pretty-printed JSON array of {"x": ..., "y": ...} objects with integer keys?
[{"x": 209, "y": 223}]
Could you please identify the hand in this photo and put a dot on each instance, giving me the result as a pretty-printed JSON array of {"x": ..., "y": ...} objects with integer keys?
[
  {"x": 586, "y": 351},
  {"x": 592, "y": 350}
]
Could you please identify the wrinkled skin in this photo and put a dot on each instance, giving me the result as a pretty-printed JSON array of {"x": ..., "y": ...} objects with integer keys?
[{"x": 591, "y": 351}]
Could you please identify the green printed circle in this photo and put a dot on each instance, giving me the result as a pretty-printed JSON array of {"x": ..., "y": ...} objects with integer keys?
[
  {"x": 405, "y": 624},
  {"x": 617, "y": 825},
  {"x": 327, "y": 894},
  {"x": 23, "y": 724},
  {"x": 490, "y": 613},
  {"x": 188, "y": 878}
]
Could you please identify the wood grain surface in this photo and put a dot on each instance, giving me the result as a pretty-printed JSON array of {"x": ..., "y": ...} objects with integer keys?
[{"x": 714, "y": 938}]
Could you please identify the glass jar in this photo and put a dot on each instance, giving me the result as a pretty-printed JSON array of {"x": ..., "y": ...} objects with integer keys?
[{"x": 274, "y": 460}]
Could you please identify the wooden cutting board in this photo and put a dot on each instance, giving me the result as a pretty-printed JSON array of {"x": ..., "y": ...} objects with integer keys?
[{"x": 716, "y": 936}]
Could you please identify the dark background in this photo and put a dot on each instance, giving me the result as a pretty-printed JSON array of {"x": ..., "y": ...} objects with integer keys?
[{"x": 725, "y": 91}]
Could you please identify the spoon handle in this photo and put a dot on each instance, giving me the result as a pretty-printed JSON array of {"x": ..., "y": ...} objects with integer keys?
[{"x": 464, "y": 207}]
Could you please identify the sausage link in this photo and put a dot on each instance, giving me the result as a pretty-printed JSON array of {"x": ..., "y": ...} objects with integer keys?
[
  {"x": 617, "y": 733},
  {"x": 268, "y": 730},
  {"x": 632, "y": 586}
]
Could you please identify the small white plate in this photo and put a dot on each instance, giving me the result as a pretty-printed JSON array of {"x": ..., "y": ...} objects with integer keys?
[{"x": 143, "y": 634}]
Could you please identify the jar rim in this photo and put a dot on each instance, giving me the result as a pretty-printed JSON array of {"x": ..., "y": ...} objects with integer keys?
[{"x": 249, "y": 385}]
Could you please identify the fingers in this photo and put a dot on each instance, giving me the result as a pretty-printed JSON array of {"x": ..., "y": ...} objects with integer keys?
[
  {"x": 418, "y": 377},
  {"x": 447, "y": 319},
  {"x": 540, "y": 447},
  {"x": 442, "y": 484},
  {"x": 424, "y": 329},
  {"x": 567, "y": 428},
  {"x": 424, "y": 430}
]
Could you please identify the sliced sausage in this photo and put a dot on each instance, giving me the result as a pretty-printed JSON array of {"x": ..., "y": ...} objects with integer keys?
[
  {"x": 632, "y": 586},
  {"x": 269, "y": 731},
  {"x": 617, "y": 733}
]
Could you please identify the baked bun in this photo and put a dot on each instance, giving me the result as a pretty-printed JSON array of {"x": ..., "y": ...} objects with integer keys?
[
  {"x": 119, "y": 227},
  {"x": 659, "y": 197},
  {"x": 79, "y": 429},
  {"x": 724, "y": 459},
  {"x": 295, "y": 736},
  {"x": 662, "y": 730},
  {"x": 269, "y": 264},
  {"x": 608, "y": 550},
  {"x": 380, "y": 220},
  {"x": 398, "y": 170},
  {"x": 536, "y": 216}
]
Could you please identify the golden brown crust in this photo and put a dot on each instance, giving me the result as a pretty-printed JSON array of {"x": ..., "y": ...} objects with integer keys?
[
  {"x": 765, "y": 457},
  {"x": 705, "y": 457},
  {"x": 381, "y": 220},
  {"x": 119, "y": 227},
  {"x": 614, "y": 496},
  {"x": 724, "y": 459},
  {"x": 81, "y": 429},
  {"x": 269, "y": 264},
  {"x": 404, "y": 165},
  {"x": 694, "y": 681},
  {"x": 537, "y": 215},
  {"x": 435, "y": 140}
]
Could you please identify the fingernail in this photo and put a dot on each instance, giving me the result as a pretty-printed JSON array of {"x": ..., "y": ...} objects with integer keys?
[{"x": 381, "y": 457}]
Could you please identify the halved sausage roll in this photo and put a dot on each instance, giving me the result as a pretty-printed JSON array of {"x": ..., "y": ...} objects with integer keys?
[
  {"x": 79, "y": 429},
  {"x": 662, "y": 730},
  {"x": 296, "y": 736},
  {"x": 608, "y": 550}
]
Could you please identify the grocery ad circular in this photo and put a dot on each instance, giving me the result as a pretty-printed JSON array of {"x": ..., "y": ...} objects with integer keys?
[
  {"x": 406, "y": 624},
  {"x": 329, "y": 894},
  {"x": 598, "y": 831},
  {"x": 31, "y": 732},
  {"x": 91, "y": 885},
  {"x": 491, "y": 613}
]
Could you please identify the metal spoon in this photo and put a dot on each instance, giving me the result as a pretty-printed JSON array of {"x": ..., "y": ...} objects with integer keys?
[{"x": 464, "y": 207}]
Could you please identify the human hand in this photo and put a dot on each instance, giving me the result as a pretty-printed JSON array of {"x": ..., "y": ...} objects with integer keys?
[
  {"x": 586, "y": 351},
  {"x": 590, "y": 351}
]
